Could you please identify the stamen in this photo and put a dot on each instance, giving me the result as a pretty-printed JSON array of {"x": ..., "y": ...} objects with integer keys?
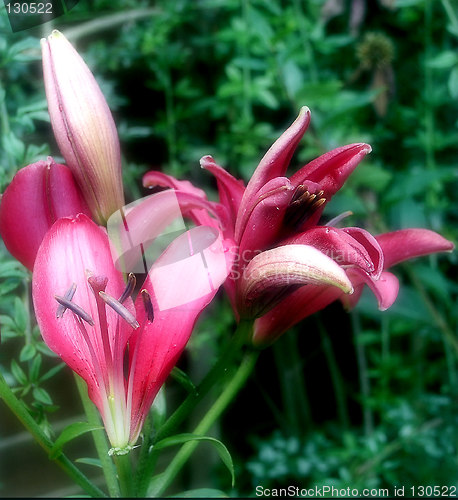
[
  {"x": 303, "y": 205},
  {"x": 68, "y": 296},
  {"x": 148, "y": 305},
  {"x": 336, "y": 220},
  {"x": 130, "y": 287},
  {"x": 120, "y": 309},
  {"x": 79, "y": 311}
]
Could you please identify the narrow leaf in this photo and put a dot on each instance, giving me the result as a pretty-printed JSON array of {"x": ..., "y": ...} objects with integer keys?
[
  {"x": 70, "y": 432},
  {"x": 183, "y": 379},
  {"x": 223, "y": 452},
  {"x": 89, "y": 461}
]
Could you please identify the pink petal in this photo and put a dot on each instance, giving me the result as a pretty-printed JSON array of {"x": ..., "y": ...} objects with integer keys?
[
  {"x": 372, "y": 247},
  {"x": 38, "y": 195},
  {"x": 406, "y": 244},
  {"x": 330, "y": 171},
  {"x": 303, "y": 302},
  {"x": 144, "y": 228},
  {"x": 181, "y": 283},
  {"x": 272, "y": 275},
  {"x": 342, "y": 246},
  {"x": 70, "y": 249},
  {"x": 265, "y": 219},
  {"x": 155, "y": 178},
  {"x": 385, "y": 288},
  {"x": 274, "y": 163},
  {"x": 230, "y": 189}
]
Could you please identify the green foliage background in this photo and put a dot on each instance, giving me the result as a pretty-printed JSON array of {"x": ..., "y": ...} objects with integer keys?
[{"x": 367, "y": 400}]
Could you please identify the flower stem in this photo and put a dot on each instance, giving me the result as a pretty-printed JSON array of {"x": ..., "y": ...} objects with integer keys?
[
  {"x": 216, "y": 374},
  {"x": 213, "y": 376},
  {"x": 236, "y": 382},
  {"x": 100, "y": 440},
  {"x": 125, "y": 475},
  {"x": 21, "y": 412}
]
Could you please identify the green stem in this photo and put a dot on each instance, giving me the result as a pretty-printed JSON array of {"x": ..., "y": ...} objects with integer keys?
[
  {"x": 100, "y": 439},
  {"x": 237, "y": 381},
  {"x": 363, "y": 375},
  {"x": 125, "y": 475},
  {"x": 240, "y": 337},
  {"x": 234, "y": 347},
  {"x": 21, "y": 412},
  {"x": 336, "y": 378}
]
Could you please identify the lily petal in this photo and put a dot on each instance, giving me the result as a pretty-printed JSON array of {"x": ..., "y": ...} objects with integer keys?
[
  {"x": 181, "y": 284},
  {"x": 142, "y": 230},
  {"x": 302, "y": 303},
  {"x": 273, "y": 274},
  {"x": 70, "y": 249},
  {"x": 230, "y": 189},
  {"x": 406, "y": 244},
  {"x": 330, "y": 171},
  {"x": 274, "y": 163},
  {"x": 38, "y": 195},
  {"x": 155, "y": 178},
  {"x": 265, "y": 219},
  {"x": 385, "y": 288},
  {"x": 342, "y": 246}
]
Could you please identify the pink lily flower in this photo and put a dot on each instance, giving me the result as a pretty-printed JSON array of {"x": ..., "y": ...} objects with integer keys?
[
  {"x": 87, "y": 316},
  {"x": 38, "y": 195},
  {"x": 274, "y": 213},
  {"x": 83, "y": 126}
]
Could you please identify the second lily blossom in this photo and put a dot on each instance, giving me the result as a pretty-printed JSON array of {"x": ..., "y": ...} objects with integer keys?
[{"x": 281, "y": 245}]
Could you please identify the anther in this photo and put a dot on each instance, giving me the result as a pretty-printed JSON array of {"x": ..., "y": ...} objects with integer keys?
[
  {"x": 130, "y": 287},
  {"x": 79, "y": 311},
  {"x": 68, "y": 296},
  {"x": 148, "y": 305},
  {"x": 120, "y": 309},
  {"x": 303, "y": 205}
]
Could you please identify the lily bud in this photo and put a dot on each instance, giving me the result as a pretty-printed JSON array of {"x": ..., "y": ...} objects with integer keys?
[{"x": 83, "y": 126}]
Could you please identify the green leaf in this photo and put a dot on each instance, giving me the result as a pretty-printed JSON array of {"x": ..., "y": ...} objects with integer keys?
[
  {"x": 27, "y": 352},
  {"x": 444, "y": 60},
  {"x": 183, "y": 379},
  {"x": 223, "y": 452},
  {"x": 18, "y": 373},
  {"x": 70, "y": 432},
  {"x": 453, "y": 83},
  {"x": 201, "y": 493},
  {"x": 53, "y": 371},
  {"x": 89, "y": 461},
  {"x": 35, "y": 368},
  {"x": 42, "y": 396}
]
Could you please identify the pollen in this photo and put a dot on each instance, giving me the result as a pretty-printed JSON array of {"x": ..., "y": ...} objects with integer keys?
[{"x": 303, "y": 205}]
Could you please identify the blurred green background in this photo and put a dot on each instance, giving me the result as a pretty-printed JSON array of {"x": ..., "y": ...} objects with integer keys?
[{"x": 367, "y": 399}]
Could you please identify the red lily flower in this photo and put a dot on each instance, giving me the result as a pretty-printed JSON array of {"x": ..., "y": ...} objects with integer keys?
[
  {"x": 74, "y": 281},
  {"x": 274, "y": 213},
  {"x": 38, "y": 195}
]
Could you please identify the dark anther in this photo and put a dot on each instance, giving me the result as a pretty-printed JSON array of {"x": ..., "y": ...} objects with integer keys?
[
  {"x": 120, "y": 309},
  {"x": 79, "y": 311},
  {"x": 148, "y": 305},
  {"x": 68, "y": 296},
  {"x": 303, "y": 205},
  {"x": 130, "y": 287}
]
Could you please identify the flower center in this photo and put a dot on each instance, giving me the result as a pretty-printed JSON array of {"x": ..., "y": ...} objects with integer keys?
[{"x": 302, "y": 206}]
